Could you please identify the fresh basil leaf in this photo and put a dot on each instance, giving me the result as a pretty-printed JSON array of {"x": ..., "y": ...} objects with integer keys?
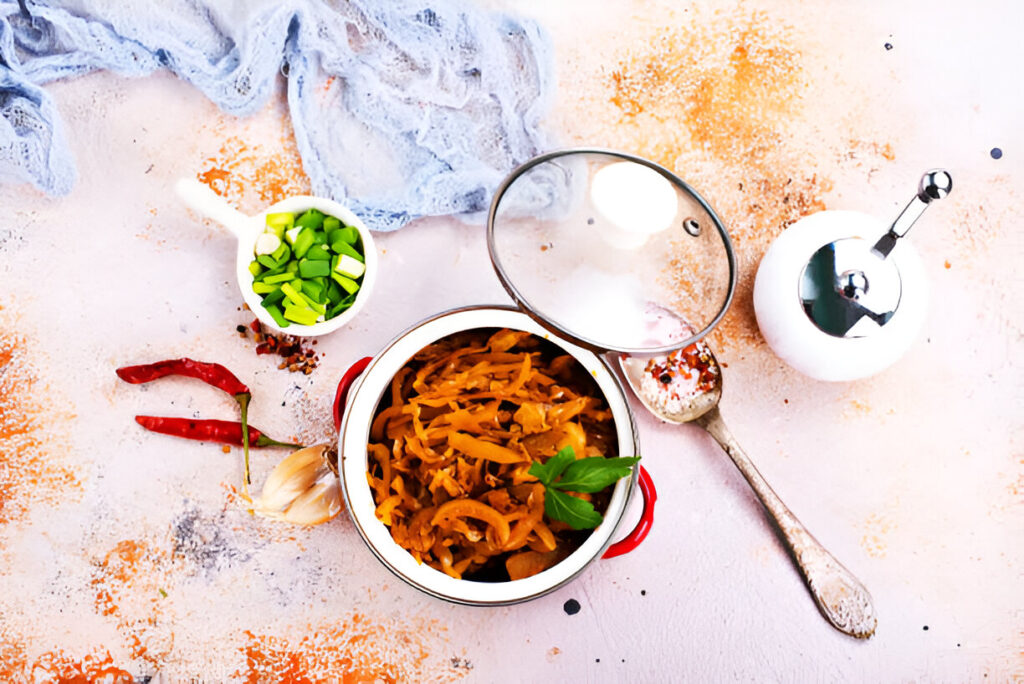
[
  {"x": 593, "y": 474},
  {"x": 547, "y": 472},
  {"x": 540, "y": 471},
  {"x": 560, "y": 461},
  {"x": 577, "y": 513}
]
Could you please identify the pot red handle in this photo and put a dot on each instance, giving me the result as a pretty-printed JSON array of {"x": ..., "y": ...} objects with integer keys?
[
  {"x": 343, "y": 387},
  {"x": 643, "y": 527}
]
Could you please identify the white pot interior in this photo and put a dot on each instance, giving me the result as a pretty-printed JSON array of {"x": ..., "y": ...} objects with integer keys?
[{"x": 362, "y": 404}]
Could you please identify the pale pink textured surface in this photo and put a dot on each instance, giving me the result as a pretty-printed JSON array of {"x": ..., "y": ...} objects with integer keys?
[{"x": 913, "y": 479}]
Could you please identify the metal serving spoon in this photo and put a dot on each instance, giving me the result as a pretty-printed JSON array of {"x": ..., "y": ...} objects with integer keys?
[{"x": 662, "y": 386}]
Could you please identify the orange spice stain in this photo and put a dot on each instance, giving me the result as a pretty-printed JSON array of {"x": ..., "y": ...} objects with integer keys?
[
  {"x": 713, "y": 100},
  {"x": 721, "y": 98},
  {"x": 129, "y": 589},
  {"x": 29, "y": 471},
  {"x": 119, "y": 566},
  {"x": 57, "y": 666},
  {"x": 876, "y": 531},
  {"x": 1016, "y": 487},
  {"x": 857, "y": 407},
  {"x": 253, "y": 175},
  {"x": 352, "y": 651}
]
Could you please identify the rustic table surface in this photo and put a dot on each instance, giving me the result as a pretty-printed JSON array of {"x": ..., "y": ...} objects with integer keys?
[{"x": 126, "y": 552}]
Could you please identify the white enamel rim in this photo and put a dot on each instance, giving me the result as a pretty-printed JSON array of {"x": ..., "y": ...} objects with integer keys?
[
  {"x": 363, "y": 398},
  {"x": 295, "y": 205}
]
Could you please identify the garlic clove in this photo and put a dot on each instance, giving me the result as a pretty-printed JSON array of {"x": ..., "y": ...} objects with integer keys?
[
  {"x": 316, "y": 505},
  {"x": 292, "y": 477}
]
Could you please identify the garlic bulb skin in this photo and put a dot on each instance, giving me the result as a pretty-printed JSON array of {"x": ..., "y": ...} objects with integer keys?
[{"x": 795, "y": 338}]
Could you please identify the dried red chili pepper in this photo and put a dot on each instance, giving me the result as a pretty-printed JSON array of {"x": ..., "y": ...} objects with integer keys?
[
  {"x": 211, "y": 373},
  {"x": 220, "y": 431}
]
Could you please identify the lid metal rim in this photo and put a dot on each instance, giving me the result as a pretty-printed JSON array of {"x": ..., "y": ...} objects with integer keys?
[{"x": 558, "y": 329}]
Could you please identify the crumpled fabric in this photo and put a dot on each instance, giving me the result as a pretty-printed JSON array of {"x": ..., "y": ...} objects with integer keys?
[{"x": 401, "y": 109}]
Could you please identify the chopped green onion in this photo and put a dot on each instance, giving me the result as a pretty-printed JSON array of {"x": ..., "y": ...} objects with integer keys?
[
  {"x": 313, "y": 304},
  {"x": 279, "y": 278},
  {"x": 334, "y": 292},
  {"x": 275, "y": 313},
  {"x": 347, "y": 284},
  {"x": 341, "y": 306},
  {"x": 303, "y": 242},
  {"x": 300, "y": 315},
  {"x": 282, "y": 254},
  {"x": 312, "y": 269},
  {"x": 318, "y": 253},
  {"x": 280, "y": 223},
  {"x": 307, "y": 267},
  {"x": 266, "y": 243},
  {"x": 273, "y": 298},
  {"x": 347, "y": 266},
  {"x": 269, "y": 272},
  {"x": 313, "y": 218},
  {"x": 342, "y": 247},
  {"x": 348, "y": 234},
  {"x": 314, "y": 289},
  {"x": 291, "y": 293}
]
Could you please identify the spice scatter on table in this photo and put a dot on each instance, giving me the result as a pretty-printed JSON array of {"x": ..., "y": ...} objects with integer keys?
[
  {"x": 297, "y": 355},
  {"x": 715, "y": 98},
  {"x": 31, "y": 471}
]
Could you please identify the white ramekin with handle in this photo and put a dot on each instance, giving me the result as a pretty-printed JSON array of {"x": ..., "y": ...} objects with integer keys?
[{"x": 204, "y": 201}]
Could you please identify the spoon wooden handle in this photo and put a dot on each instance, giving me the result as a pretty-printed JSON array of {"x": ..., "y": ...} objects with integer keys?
[{"x": 841, "y": 598}]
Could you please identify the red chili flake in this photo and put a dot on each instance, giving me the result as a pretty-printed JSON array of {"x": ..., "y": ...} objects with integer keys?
[{"x": 294, "y": 356}]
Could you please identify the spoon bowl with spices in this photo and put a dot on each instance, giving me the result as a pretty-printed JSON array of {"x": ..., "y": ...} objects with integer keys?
[{"x": 685, "y": 387}]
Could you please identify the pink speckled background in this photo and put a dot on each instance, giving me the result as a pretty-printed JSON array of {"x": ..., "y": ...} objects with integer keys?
[{"x": 126, "y": 551}]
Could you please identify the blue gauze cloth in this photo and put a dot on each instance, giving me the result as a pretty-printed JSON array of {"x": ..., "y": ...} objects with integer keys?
[{"x": 401, "y": 109}]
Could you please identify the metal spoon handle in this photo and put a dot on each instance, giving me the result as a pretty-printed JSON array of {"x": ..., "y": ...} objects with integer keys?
[{"x": 841, "y": 598}]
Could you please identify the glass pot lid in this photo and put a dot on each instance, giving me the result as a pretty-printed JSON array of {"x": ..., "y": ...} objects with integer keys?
[{"x": 611, "y": 251}]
